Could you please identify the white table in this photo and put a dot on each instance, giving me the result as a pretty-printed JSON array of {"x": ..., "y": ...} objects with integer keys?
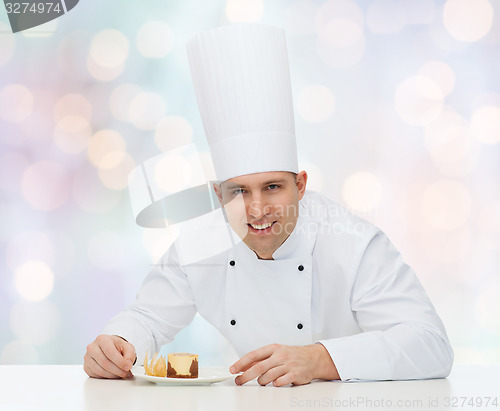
[{"x": 67, "y": 387}]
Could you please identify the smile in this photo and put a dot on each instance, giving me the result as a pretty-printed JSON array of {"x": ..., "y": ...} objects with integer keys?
[
  {"x": 261, "y": 226},
  {"x": 260, "y": 229}
]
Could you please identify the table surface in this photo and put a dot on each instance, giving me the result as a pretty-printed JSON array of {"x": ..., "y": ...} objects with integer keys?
[{"x": 67, "y": 387}]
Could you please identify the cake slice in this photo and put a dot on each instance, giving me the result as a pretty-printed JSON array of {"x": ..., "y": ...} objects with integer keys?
[{"x": 182, "y": 365}]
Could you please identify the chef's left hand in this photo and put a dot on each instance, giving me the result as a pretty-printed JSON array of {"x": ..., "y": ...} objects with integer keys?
[{"x": 284, "y": 364}]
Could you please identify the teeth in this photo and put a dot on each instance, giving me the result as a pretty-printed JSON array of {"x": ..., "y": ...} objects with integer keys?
[{"x": 261, "y": 226}]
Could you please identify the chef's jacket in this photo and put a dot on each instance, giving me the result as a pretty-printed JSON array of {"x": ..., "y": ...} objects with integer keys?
[{"x": 336, "y": 280}]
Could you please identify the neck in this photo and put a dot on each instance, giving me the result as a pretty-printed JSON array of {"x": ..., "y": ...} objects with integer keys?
[{"x": 264, "y": 257}]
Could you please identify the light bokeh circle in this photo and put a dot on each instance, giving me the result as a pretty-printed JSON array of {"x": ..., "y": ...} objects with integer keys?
[
  {"x": 103, "y": 143},
  {"x": 316, "y": 103},
  {"x": 173, "y": 174},
  {"x": 34, "y": 280},
  {"x": 300, "y": 17},
  {"x": 73, "y": 104},
  {"x": 45, "y": 185},
  {"x": 102, "y": 73},
  {"x": 146, "y": 110},
  {"x": 386, "y": 16},
  {"x": 90, "y": 195},
  {"x": 115, "y": 169},
  {"x": 72, "y": 133},
  {"x": 447, "y": 137},
  {"x": 109, "y": 48},
  {"x": 340, "y": 43},
  {"x": 18, "y": 353},
  {"x": 362, "y": 191},
  {"x": 16, "y": 103},
  {"x": 30, "y": 245},
  {"x": 468, "y": 20},
  {"x": 339, "y": 9},
  {"x": 244, "y": 10},
  {"x": 35, "y": 323},
  {"x": 450, "y": 144},
  {"x": 172, "y": 132},
  {"x": 120, "y": 100},
  {"x": 154, "y": 39},
  {"x": 409, "y": 207},
  {"x": 446, "y": 204},
  {"x": 485, "y": 124},
  {"x": 418, "y": 100},
  {"x": 441, "y": 73}
]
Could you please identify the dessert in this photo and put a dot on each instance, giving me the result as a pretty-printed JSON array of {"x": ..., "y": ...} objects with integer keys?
[
  {"x": 182, "y": 365},
  {"x": 157, "y": 367}
]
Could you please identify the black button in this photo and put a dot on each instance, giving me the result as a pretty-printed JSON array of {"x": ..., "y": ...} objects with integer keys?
[
  {"x": 301, "y": 267},
  {"x": 233, "y": 322},
  {"x": 300, "y": 326},
  {"x": 232, "y": 263}
]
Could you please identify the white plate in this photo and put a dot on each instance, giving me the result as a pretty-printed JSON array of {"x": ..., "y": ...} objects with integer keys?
[{"x": 206, "y": 376}]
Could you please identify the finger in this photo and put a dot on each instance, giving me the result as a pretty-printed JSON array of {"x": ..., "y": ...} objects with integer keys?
[
  {"x": 96, "y": 353},
  {"x": 272, "y": 375},
  {"x": 256, "y": 370},
  {"x": 231, "y": 369},
  {"x": 113, "y": 352},
  {"x": 87, "y": 369},
  {"x": 128, "y": 352},
  {"x": 98, "y": 371},
  {"x": 245, "y": 362},
  {"x": 109, "y": 365},
  {"x": 106, "y": 374},
  {"x": 289, "y": 378},
  {"x": 102, "y": 373}
]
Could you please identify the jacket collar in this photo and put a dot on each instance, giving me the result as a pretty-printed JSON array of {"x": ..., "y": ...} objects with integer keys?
[{"x": 302, "y": 239}]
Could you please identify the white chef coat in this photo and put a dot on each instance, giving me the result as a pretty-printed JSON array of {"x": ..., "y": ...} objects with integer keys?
[{"x": 337, "y": 280}]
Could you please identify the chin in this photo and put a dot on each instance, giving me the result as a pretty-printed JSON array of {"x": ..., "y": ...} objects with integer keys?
[{"x": 260, "y": 248}]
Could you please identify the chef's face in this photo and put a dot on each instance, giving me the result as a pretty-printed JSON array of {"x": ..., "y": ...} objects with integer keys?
[{"x": 263, "y": 208}]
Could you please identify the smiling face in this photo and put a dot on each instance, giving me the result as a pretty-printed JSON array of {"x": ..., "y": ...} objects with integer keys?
[{"x": 262, "y": 208}]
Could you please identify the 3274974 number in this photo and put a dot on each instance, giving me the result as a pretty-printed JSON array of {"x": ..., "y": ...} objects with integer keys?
[
  {"x": 478, "y": 402},
  {"x": 38, "y": 8}
]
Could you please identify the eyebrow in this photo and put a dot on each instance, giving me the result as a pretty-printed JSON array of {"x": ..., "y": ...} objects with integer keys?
[{"x": 266, "y": 183}]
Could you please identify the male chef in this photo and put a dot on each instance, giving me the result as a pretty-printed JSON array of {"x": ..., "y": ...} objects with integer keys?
[{"x": 307, "y": 290}]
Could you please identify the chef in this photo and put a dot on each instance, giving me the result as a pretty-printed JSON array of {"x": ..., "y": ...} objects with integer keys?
[{"x": 306, "y": 290}]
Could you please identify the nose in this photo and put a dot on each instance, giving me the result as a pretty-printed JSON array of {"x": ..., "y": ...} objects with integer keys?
[{"x": 257, "y": 208}]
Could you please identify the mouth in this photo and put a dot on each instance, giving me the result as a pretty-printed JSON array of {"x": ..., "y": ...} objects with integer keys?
[{"x": 260, "y": 229}]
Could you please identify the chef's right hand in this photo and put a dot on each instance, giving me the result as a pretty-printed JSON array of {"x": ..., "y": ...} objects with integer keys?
[{"x": 109, "y": 356}]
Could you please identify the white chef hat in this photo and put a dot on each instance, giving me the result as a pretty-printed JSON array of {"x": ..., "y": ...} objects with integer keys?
[{"x": 242, "y": 83}]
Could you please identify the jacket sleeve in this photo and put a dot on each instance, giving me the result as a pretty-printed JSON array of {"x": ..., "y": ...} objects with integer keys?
[
  {"x": 403, "y": 337},
  {"x": 164, "y": 305}
]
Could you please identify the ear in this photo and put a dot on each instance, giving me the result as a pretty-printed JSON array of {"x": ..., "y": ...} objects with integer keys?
[
  {"x": 301, "y": 180},
  {"x": 218, "y": 192}
]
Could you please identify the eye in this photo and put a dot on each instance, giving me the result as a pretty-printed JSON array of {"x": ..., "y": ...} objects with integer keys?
[
  {"x": 273, "y": 186},
  {"x": 237, "y": 191}
]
